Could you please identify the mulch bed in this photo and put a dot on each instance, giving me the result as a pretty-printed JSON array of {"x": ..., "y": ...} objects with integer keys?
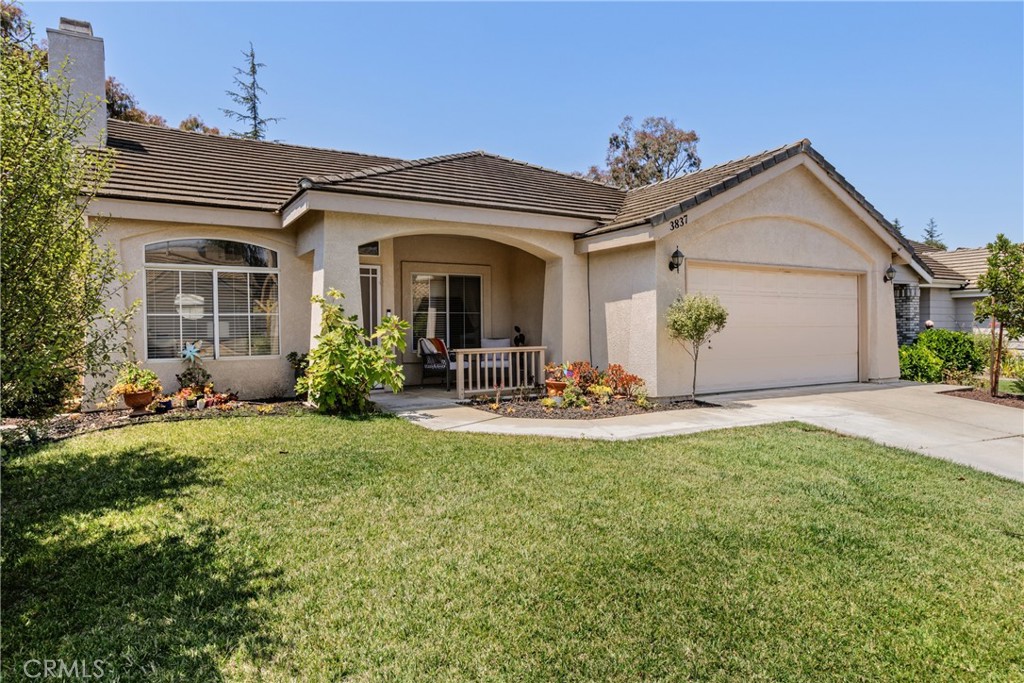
[
  {"x": 20, "y": 431},
  {"x": 614, "y": 408},
  {"x": 1012, "y": 400}
]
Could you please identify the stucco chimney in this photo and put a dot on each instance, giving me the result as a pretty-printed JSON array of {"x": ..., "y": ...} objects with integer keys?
[{"x": 85, "y": 71}]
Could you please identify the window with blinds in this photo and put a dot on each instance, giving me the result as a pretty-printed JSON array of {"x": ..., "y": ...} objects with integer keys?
[{"x": 222, "y": 293}]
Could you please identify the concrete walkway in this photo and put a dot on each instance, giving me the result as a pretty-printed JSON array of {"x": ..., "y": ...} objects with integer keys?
[{"x": 912, "y": 416}]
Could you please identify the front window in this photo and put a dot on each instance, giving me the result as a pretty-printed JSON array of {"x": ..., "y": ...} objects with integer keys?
[
  {"x": 221, "y": 292},
  {"x": 449, "y": 307}
]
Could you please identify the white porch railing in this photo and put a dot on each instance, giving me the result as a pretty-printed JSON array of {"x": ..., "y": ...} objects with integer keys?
[{"x": 479, "y": 371}]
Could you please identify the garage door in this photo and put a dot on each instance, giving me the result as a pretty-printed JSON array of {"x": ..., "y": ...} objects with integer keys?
[{"x": 784, "y": 329}]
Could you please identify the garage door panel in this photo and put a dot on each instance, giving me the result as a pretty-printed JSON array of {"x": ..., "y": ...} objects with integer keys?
[{"x": 784, "y": 328}]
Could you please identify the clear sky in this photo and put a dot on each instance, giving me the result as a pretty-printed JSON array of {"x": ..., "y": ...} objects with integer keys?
[{"x": 919, "y": 105}]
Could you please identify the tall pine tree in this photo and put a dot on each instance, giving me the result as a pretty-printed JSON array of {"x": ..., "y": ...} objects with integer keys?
[
  {"x": 932, "y": 236},
  {"x": 248, "y": 99}
]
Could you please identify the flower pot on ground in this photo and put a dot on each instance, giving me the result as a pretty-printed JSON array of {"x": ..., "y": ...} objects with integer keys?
[
  {"x": 138, "y": 401},
  {"x": 555, "y": 387},
  {"x": 136, "y": 385}
]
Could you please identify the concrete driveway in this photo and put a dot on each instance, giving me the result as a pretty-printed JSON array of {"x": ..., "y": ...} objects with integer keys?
[{"x": 912, "y": 416}]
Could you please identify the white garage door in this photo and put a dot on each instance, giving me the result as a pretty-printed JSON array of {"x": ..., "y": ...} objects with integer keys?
[{"x": 784, "y": 328}]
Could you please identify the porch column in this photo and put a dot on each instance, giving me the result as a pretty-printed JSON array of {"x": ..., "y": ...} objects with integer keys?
[
  {"x": 566, "y": 330},
  {"x": 335, "y": 265}
]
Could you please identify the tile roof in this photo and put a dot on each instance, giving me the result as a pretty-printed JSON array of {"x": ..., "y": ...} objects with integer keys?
[
  {"x": 170, "y": 165},
  {"x": 483, "y": 180},
  {"x": 969, "y": 264}
]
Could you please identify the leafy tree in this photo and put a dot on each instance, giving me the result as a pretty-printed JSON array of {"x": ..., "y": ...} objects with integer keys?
[
  {"x": 346, "y": 362},
  {"x": 14, "y": 25},
  {"x": 56, "y": 277},
  {"x": 1004, "y": 282},
  {"x": 657, "y": 150},
  {"x": 692, "y": 321},
  {"x": 248, "y": 99},
  {"x": 122, "y": 105},
  {"x": 194, "y": 124},
  {"x": 932, "y": 236},
  {"x": 897, "y": 225}
]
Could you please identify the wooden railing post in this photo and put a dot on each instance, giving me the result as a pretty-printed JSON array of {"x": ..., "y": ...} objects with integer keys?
[{"x": 460, "y": 382}]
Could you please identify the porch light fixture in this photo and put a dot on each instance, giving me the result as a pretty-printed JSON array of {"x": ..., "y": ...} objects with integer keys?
[
  {"x": 890, "y": 273},
  {"x": 676, "y": 261}
]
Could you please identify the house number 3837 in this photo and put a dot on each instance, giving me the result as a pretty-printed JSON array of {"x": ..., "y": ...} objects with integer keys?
[{"x": 677, "y": 223}]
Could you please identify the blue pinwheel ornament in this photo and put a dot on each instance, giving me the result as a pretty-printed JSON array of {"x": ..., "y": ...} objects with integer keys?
[{"x": 191, "y": 351}]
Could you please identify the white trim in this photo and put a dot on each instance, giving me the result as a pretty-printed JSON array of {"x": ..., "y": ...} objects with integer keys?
[
  {"x": 440, "y": 211},
  {"x": 172, "y": 212}
]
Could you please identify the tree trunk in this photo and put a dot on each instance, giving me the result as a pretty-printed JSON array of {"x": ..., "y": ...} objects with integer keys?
[
  {"x": 992, "y": 381},
  {"x": 997, "y": 363},
  {"x": 693, "y": 389}
]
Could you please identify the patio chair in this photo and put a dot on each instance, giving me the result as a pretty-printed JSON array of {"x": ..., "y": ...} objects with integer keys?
[{"x": 436, "y": 360}]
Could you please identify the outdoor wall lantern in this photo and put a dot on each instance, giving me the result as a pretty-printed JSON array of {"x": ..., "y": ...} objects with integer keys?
[
  {"x": 890, "y": 273},
  {"x": 676, "y": 261}
]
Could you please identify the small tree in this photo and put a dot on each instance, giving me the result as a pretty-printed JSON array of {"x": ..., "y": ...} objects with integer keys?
[
  {"x": 346, "y": 362},
  {"x": 194, "y": 124},
  {"x": 56, "y": 276},
  {"x": 932, "y": 236},
  {"x": 692, "y": 321},
  {"x": 1004, "y": 282},
  {"x": 248, "y": 98}
]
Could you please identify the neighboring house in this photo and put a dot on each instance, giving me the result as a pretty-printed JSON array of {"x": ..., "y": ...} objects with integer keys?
[{"x": 230, "y": 238}]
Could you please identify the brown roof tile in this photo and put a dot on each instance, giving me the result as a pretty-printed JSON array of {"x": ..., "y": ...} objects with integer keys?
[
  {"x": 170, "y": 165},
  {"x": 968, "y": 264},
  {"x": 483, "y": 180}
]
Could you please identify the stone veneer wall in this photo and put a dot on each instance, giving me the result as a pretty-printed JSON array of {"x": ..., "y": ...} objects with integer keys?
[{"x": 908, "y": 311}]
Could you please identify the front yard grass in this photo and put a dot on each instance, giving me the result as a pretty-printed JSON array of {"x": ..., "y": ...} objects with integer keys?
[{"x": 312, "y": 548}]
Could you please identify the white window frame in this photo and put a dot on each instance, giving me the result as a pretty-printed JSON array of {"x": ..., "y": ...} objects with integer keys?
[{"x": 177, "y": 268}]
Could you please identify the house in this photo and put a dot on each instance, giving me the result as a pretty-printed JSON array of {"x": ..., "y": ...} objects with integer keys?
[{"x": 230, "y": 238}]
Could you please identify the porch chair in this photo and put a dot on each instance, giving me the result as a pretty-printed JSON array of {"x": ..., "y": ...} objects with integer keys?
[{"x": 436, "y": 360}]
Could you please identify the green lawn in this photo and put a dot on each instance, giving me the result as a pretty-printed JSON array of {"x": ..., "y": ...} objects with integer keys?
[{"x": 311, "y": 548}]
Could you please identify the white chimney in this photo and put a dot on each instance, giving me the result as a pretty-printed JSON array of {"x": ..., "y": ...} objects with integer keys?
[{"x": 84, "y": 70}]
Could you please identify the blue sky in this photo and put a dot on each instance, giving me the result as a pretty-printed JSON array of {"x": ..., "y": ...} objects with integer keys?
[{"x": 919, "y": 105}]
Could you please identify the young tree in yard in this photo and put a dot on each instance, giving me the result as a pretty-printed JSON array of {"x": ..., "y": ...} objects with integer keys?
[
  {"x": 56, "y": 277},
  {"x": 248, "y": 99},
  {"x": 346, "y": 362},
  {"x": 692, "y": 321},
  {"x": 932, "y": 236},
  {"x": 657, "y": 150},
  {"x": 1004, "y": 282}
]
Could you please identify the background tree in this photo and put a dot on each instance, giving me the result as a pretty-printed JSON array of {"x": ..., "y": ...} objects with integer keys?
[
  {"x": 248, "y": 99},
  {"x": 1004, "y": 282},
  {"x": 194, "y": 124},
  {"x": 692, "y": 321},
  {"x": 56, "y": 278},
  {"x": 14, "y": 25},
  {"x": 932, "y": 236},
  {"x": 897, "y": 225},
  {"x": 122, "y": 105},
  {"x": 657, "y": 150}
]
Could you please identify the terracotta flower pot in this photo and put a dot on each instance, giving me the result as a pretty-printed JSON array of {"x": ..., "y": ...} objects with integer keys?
[
  {"x": 555, "y": 387},
  {"x": 138, "y": 402}
]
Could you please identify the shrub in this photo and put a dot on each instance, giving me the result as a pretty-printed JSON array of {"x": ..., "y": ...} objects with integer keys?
[
  {"x": 983, "y": 347},
  {"x": 964, "y": 378},
  {"x": 1013, "y": 364},
  {"x": 196, "y": 378},
  {"x": 956, "y": 350},
  {"x": 622, "y": 382},
  {"x": 572, "y": 396},
  {"x": 920, "y": 364},
  {"x": 584, "y": 374},
  {"x": 347, "y": 362},
  {"x": 601, "y": 392}
]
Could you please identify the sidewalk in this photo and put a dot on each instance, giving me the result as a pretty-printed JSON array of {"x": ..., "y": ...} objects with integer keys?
[{"x": 907, "y": 415}]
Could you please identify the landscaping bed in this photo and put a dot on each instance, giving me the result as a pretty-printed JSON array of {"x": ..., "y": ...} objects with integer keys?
[
  {"x": 22, "y": 430},
  {"x": 1012, "y": 400},
  {"x": 617, "y": 407}
]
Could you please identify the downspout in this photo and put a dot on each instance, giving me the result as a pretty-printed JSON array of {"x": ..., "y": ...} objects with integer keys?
[{"x": 590, "y": 316}]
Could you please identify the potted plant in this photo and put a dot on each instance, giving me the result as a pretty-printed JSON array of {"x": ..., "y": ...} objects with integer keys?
[
  {"x": 136, "y": 386},
  {"x": 558, "y": 377}
]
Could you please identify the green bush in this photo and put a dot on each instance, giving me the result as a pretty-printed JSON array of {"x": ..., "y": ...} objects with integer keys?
[
  {"x": 1013, "y": 364},
  {"x": 983, "y": 347},
  {"x": 347, "y": 362},
  {"x": 920, "y": 364},
  {"x": 956, "y": 350}
]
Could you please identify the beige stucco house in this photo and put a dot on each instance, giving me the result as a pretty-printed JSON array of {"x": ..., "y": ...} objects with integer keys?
[{"x": 229, "y": 239}]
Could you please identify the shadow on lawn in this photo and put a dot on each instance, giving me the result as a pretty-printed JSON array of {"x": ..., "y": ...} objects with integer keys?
[{"x": 102, "y": 561}]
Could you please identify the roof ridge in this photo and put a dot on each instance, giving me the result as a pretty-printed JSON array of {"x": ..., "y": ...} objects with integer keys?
[
  {"x": 232, "y": 139},
  {"x": 762, "y": 153},
  {"x": 402, "y": 165},
  {"x": 550, "y": 170}
]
